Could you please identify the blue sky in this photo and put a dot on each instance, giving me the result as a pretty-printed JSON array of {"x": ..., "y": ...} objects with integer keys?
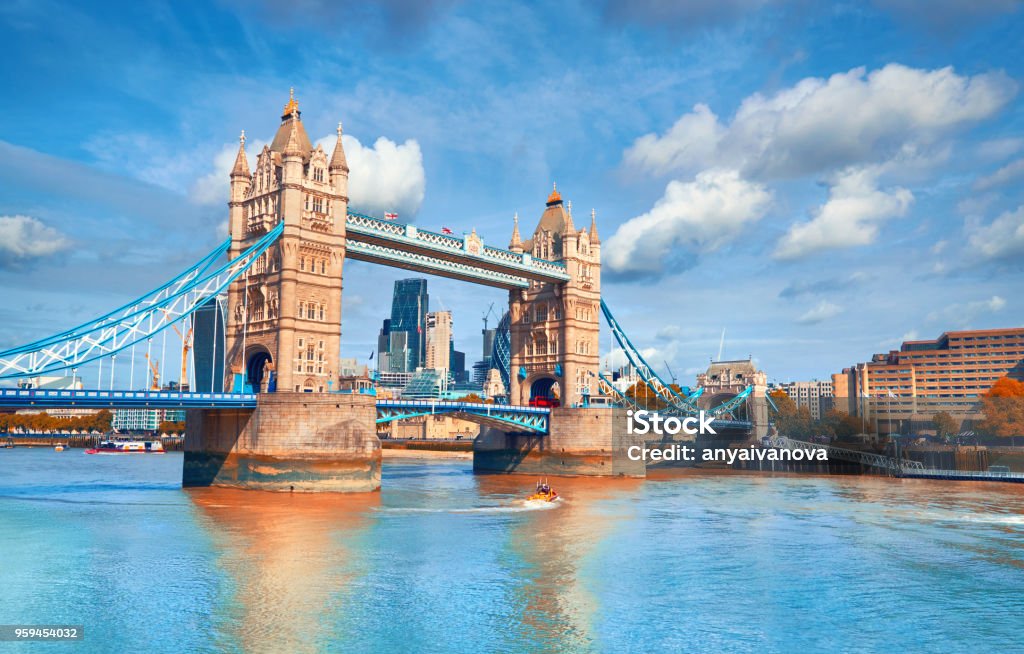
[{"x": 819, "y": 180}]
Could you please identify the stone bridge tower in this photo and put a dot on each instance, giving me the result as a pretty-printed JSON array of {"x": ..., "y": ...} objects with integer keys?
[
  {"x": 554, "y": 327},
  {"x": 284, "y": 317}
]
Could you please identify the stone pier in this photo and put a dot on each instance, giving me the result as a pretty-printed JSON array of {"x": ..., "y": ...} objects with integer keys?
[
  {"x": 303, "y": 442},
  {"x": 582, "y": 442}
]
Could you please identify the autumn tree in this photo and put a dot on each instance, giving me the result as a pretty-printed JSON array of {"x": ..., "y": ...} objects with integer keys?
[
  {"x": 1003, "y": 406},
  {"x": 946, "y": 426},
  {"x": 791, "y": 420}
]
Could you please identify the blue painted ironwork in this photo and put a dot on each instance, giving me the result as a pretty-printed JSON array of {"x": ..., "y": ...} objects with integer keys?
[
  {"x": 605, "y": 383},
  {"x": 21, "y": 398},
  {"x": 663, "y": 391},
  {"x": 519, "y": 418},
  {"x": 135, "y": 322},
  {"x": 406, "y": 245},
  {"x": 728, "y": 406}
]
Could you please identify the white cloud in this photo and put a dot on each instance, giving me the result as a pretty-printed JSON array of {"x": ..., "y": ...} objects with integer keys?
[
  {"x": 1000, "y": 239},
  {"x": 1008, "y": 173},
  {"x": 960, "y": 315},
  {"x": 23, "y": 238},
  {"x": 704, "y": 215},
  {"x": 214, "y": 188},
  {"x": 819, "y": 313},
  {"x": 850, "y": 217},
  {"x": 385, "y": 177},
  {"x": 825, "y": 124}
]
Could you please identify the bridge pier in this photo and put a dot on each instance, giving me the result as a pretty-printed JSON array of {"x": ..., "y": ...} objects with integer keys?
[
  {"x": 307, "y": 442},
  {"x": 581, "y": 442}
]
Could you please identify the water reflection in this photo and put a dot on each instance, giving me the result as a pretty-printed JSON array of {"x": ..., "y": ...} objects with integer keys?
[
  {"x": 553, "y": 602},
  {"x": 289, "y": 558}
]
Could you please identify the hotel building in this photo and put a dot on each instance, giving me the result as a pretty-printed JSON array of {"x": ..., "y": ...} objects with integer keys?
[{"x": 923, "y": 378}]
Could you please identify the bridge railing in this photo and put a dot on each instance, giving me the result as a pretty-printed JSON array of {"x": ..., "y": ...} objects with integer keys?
[
  {"x": 866, "y": 458},
  {"x": 361, "y": 223}
]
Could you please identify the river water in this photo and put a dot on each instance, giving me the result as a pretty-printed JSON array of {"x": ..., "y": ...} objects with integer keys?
[{"x": 442, "y": 560}]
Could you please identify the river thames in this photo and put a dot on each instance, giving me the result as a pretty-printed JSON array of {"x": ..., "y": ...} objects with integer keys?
[{"x": 442, "y": 560}]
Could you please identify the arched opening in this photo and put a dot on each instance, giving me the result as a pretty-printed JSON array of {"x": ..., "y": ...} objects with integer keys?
[
  {"x": 544, "y": 391},
  {"x": 257, "y": 368},
  {"x": 708, "y": 402}
]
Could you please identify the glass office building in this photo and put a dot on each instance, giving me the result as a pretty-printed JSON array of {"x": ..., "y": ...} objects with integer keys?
[{"x": 409, "y": 307}]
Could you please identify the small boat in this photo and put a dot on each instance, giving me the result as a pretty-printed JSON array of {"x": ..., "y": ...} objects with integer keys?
[
  {"x": 59, "y": 447},
  {"x": 543, "y": 493},
  {"x": 127, "y": 447}
]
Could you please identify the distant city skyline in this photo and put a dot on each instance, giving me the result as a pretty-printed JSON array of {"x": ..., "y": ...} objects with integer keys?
[{"x": 822, "y": 197}]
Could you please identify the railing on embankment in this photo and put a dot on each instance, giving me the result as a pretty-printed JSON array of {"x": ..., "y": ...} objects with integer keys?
[{"x": 170, "y": 443}]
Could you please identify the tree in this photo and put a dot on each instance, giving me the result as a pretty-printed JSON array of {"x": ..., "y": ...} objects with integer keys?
[
  {"x": 946, "y": 426},
  {"x": 1003, "y": 406},
  {"x": 840, "y": 424},
  {"x": 792, "y": 420},
  {"x": 172, "y": 427}
]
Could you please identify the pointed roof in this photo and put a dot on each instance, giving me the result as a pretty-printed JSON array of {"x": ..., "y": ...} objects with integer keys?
[
  {"x": 570, "y": 228},
  {"x": 516, "y": 243},
  {"x": 594, "y": 238},
  {"x": 338, "y": 161},
  {"x": 554, "y": 219},
  {"x": 292, "y": 128},
  {"x": 241, "y": 168}
]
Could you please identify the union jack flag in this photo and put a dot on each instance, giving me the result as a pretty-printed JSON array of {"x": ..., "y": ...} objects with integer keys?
[
  {"x": 445, "y": 230},
  {"x": 390, "y": 216}
]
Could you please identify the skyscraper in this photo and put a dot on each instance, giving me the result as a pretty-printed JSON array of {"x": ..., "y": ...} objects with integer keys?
[
  {"x": 409, "y": 307},
  {"x": 439, "y": 340},
  {"x": 384, "y": 347}
]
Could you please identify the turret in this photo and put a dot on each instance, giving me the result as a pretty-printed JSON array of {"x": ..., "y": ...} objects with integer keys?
[
  {"x": 241, "y": 178},
  {"x": 339, "y": 167},
  {"x": 516, "y": 244}
]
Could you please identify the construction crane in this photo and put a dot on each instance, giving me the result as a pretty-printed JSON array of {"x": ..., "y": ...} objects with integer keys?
[
  {"x": 155, "y": 369},
  {"x": 670, "y": 373},
  {"x": 488, "y": 314},
  {"x": 186, "y": 346}
]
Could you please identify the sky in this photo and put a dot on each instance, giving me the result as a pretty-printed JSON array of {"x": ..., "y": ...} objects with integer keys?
[{"x": 817, "y": 181}]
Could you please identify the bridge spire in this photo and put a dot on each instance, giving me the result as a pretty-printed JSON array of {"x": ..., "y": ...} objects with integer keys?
[
  {"x": 241, "y": 168},
  {"x": 593, "y": 227},
  {"x": 516, "y": 244},
  {"x": 338, "y": 160}
]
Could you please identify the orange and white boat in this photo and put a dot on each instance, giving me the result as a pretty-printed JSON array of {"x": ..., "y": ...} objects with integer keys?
[{"x": 543, "y": 493}]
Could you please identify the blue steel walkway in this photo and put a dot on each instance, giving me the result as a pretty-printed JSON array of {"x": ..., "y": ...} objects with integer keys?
[{"x": 518, "y": 418}]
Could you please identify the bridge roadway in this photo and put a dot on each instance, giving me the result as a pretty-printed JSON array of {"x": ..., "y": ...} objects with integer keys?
[{"x": 520, "y": 418}]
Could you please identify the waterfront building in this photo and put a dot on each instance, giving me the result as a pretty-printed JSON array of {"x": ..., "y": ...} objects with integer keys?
[
  {"x": 922, "y": 378},
  {"x": 815, "y": 395},
  {"x": 439, "y": 340},
  {"x": 60, "y": 412},
  {"x": 409, "y": 305},
  {"x": 137, "y": 419}
]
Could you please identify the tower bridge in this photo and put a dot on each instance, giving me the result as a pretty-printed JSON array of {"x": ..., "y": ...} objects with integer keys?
[{"x": 278, "y": 423}]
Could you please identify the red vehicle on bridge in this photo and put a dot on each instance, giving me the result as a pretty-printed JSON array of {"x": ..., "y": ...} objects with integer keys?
[{"x": 545, "y": 401}]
